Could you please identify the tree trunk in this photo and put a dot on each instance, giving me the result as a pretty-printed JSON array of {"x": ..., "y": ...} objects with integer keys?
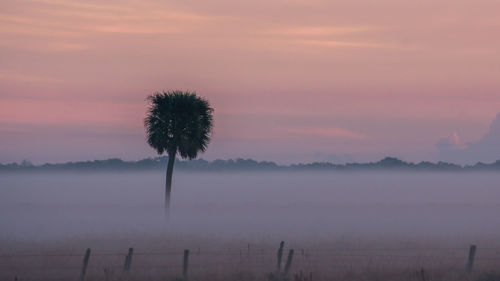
[{"x": 168, "y": 183}]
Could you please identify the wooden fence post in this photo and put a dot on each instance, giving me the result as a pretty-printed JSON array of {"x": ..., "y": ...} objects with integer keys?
[
  {"x": 85, "y": 264},
  {"x": 128, "y": 260},
  {"x": 280, "y": 255},
  {"x": 125, "y": 264},
  {"x": 185, "y": 262},
  {"x": 422, "y": 275},
  {"x": 470, "y": 260},
  {"x": 130, "y": 254},
  {"x": 288, "y": 262}
]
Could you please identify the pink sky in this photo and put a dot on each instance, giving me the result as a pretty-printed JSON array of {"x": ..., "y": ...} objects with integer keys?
[{"x": 290, "y": 81}]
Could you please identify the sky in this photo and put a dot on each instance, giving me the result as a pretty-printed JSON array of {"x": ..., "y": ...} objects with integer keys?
[{"x": 290, "y": 81}]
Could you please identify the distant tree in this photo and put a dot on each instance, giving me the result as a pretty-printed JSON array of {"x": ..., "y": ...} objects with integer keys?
[
  {"x": 178, "y": 123},
  {"x": 26, "y": 163}
]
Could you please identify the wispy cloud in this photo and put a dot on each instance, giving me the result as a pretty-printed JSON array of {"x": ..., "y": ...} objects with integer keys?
[
  {"x": 133, "y": 11},
  {"x": 135, "y": 29},
  {"x": 344, "y": 44},
  {"x": 100, "y": 6},
  {"x": 320, "y": 30},
  {"x": 45, "y": 46},
  {"x": 37, "y": 31},
  {"x": 67, "y": 46},
  {"x": 5, "y": 18},
  {"x": 327, "y": 132},
  {"x": 330, "y": 36},
  {"x": 22, "y": 77},
  {"x": 77, "y": 21}
]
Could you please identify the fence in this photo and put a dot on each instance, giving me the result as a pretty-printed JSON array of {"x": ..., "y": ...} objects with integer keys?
[{"x": 276, "y": 264}]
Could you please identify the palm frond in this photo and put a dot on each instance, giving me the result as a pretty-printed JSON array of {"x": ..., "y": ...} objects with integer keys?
[{"x": 178, "y": 122}]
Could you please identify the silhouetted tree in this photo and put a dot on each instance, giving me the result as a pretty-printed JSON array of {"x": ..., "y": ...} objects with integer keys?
[{"x": 180, "y": 123}]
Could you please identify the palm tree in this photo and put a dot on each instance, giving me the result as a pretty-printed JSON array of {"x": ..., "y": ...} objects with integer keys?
[{"x": 178, "y": 123}]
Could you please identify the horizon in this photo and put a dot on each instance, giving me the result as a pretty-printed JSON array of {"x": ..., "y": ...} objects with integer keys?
[
  {"x": 26, "y": 163},
  {"x": 301, "y": 81}
]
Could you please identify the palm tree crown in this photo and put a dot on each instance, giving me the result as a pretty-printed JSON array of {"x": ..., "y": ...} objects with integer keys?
[{"x": 178, "y": 122}]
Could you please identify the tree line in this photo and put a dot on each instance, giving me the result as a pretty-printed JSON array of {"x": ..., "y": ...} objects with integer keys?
[{"x": 161, "y": 163}]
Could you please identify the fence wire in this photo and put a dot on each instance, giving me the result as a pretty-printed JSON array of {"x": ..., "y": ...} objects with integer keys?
[{"x": 450, "y": 259}]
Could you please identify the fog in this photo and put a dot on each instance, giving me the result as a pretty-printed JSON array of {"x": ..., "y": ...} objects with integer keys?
[{"x": 281, "y": 205}]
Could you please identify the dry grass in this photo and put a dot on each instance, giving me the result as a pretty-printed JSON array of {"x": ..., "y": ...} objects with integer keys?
[{"x": 160, "y": 258}]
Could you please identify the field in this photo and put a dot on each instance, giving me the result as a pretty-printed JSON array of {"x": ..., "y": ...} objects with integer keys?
[
  {"x": 345, "y": 226},
  {"x": 155, "y": 258}
]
